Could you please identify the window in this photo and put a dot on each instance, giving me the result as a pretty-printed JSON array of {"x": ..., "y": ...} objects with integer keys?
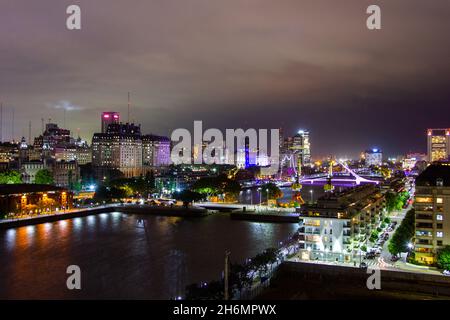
[
  {"x": 439, "y": 217},
  {"x": 439, "y": 234},
  {"x": 422, "y": 199},
  {"x": 331, "y": 231},
  {"x": 439, "y": 242},
  {"x": 439, "y": 200}
]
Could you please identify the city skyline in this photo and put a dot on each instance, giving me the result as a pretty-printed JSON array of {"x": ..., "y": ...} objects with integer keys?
[{"x": 185, "y": 62}]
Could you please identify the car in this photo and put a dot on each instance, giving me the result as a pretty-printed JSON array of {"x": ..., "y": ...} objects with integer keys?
[
  {"x": 389, "y": 229},
  {"x": 394, "y": 258},
  {"x": 363, "y": 265},
  {"x": 446, "y": 273},
  {"x": 370, "y": 255}
]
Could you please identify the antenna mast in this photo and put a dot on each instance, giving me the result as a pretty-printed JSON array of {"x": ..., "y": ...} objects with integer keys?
[
  {"x": 128, "y": 107},
  {"x": 1, "y": 121},
  {"x": 29, "y": 132}
]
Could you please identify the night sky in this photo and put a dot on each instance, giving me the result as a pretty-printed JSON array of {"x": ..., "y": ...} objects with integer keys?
[{"x": 294, "y": 64}]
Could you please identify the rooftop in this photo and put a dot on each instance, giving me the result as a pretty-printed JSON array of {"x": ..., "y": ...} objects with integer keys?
[
  {"x": 6, "y": 189},
  {"x": 435, "y": 173}
]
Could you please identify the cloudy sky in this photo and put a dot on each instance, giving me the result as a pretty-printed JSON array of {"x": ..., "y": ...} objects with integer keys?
[{"x": 308, "y": 64}]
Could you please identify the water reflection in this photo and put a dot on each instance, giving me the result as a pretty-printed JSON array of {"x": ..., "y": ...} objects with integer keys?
[{"x": 121, "y": 258}]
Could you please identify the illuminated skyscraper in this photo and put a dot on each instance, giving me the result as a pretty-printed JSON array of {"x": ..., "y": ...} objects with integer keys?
[
  {"x": 301, "y": 146},
  {"x": 438, "y": 144},
  {"x": 374, "y": 157},
  {"x": 109, "y": 118}
]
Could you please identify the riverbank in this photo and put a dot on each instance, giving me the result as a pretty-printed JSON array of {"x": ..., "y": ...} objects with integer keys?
[
  {"x": 310, "y": 281},
  {"x": 130, "y": 209},
  {"x": 265, "y": 217}
]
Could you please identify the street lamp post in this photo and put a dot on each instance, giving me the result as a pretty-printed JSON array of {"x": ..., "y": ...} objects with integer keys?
[
  {"x": 311, "y": 192},
  {"x": 260, "y": 196},
  {"x": 251, "y": 197},
  {"x": 267, "y": 190}
]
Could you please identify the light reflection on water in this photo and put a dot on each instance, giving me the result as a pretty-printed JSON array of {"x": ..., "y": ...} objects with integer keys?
[{"x": 127, "y": 256}]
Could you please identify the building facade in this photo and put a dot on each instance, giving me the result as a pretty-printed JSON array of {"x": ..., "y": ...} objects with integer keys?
[
  {"x": 340, "y": 223},
  {"x": 301, "y": 147},
  {"x": 109, "y": 118},
  {"x": 438, "y": 144},
  {"x": 432, "y": 210},
  {"x": 155, "y": 151},
  {"x": 373, "y": 157}
]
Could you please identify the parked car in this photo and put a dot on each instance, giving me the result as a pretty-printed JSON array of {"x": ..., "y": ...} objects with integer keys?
[
  {"x": 446, "y": 273},
  {"x": 370, "y": 255},
  {"x": 394, "y": 258},
  {"x": 363, "y": 265}
]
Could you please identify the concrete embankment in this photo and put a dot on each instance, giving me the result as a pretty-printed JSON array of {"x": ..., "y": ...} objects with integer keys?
[
  {"x": 311, "y": 281},
  {"x": 265, "y": 217},
  {"x": 131, "y": 209}
]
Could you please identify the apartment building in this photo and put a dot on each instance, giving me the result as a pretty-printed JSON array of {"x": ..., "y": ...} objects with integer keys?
[{"x": 432, "y": 210}]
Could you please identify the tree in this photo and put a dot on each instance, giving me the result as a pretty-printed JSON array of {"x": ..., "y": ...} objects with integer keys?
[
  {"x": 44, "y": 176},
  {"x": 272, "y": 191},
  {"x": 403, "y": 235},
  {"x": 187, "y": 197},
  {"x": 219, "y": 185},
  {"x": 443, "y": 258},
  {"x": 239, "y": 277},
  {"x": 206, "y": 291},
  {"x": 10, "y": 177},
  {"x": 104, "y": 193}
]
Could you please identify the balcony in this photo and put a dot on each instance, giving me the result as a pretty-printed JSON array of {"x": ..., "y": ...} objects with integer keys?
[
  {"x": 425, "y": 217},
  {"x": 423, "y": 245},
  {"x": 423, "y": 225}
]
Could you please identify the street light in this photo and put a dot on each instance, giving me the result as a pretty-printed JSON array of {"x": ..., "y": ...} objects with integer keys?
[
  {"x": 267, "y": 190},
  {"x": 260, "y": 196},
  {"x": 311, "y": 192}
]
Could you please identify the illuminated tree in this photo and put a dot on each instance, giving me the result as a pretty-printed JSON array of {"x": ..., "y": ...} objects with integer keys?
[
  {"x": 44, "y": 176},
  {"x": 187, "y": 197},
  {"x": 443, "y": 258},
  {"x": 10, "y": 177},
  {"x": 273, "y": 191}
]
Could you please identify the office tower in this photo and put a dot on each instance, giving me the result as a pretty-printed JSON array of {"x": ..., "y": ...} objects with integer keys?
[
  {"x": 109, "y": 118},
  {"x": 373, "y": 157},
  {"x": 300, "y": 145},
  {"x": 155, "y": 150},
  {"x": 438, "y": 144}
]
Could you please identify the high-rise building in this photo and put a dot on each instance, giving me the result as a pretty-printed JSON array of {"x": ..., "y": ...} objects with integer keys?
[
  {"x": 438, "y": 144},
  {"x": 118, "y": 151},
  {"x": 155, "y": 150},
  {"x": 109, "y": 118},
  {"x": 300, "y": 146},
  {"x": 373, "y": 157},
  {"x": 432, "y": 210}
]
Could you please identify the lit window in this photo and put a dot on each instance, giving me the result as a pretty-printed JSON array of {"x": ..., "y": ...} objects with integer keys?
[
  {"x": 421, "y": 199},
  {"x": 439, "y": 200},
  {"x": 439, "y": 217},
  {"x": 439, "y": 234}
]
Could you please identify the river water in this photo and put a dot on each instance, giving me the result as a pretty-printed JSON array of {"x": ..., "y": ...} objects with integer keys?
[{"x": 124, "y": 256}]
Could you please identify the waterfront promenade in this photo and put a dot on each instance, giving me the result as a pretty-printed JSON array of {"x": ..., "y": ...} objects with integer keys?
[{"x": 175, "y": 211}]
